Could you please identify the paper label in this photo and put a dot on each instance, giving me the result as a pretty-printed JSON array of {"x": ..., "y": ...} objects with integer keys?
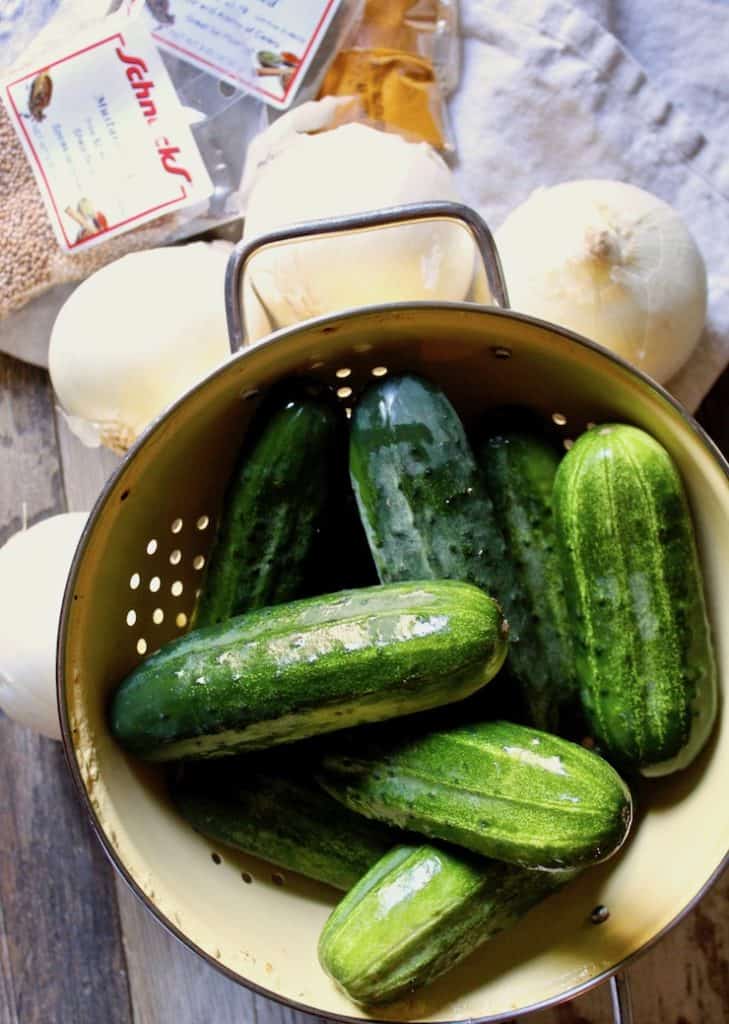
[
  {"x": 106, "y": 136},
  {"x": 261, "y": 46}
]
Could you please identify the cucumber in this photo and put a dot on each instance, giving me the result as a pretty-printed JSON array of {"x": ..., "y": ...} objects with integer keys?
[
  {"x": 423, "y": 500},
  {"x": 274, "y": 507},
  {"x": 506, "y": 791},
  {"x": 644, "y": 656},
  {"x": 277, "y": 813},
  {"x": 283, "y": 673},
  {"x": 417, "y": 913},
  {"x": 519, "y": 467},
  {"x": 421, "y": 496}
]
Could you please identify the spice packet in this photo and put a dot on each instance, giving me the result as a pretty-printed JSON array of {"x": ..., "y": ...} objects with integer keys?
[
  {"x": 401, "y": 63},
  {"x": 82, "y": 193}
]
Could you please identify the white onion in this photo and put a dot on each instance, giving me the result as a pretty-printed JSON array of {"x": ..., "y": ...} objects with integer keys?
[
  {"x": 135, "y": 335},
  {"x": 612, "y": 262},
  {"x": 34, "y": 566},
  {"x": 350, "y": 169}
]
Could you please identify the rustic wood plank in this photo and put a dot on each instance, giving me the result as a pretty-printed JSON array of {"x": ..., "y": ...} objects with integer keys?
[
  {"x": 61, "y": 951},
  {"x": 85, "y": 470}
]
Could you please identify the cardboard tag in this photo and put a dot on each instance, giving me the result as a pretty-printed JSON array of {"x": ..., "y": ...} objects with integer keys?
[
  {"x": 106, "y": 135},
  {"x": 263, "y": 47}
]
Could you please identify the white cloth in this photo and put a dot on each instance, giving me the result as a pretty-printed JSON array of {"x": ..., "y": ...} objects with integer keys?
[
  {"x": 552, "y": 90},
  {"x": 548, "y": 93}
]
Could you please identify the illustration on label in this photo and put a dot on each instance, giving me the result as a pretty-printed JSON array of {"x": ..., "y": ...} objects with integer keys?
[{"x": 107, "y": 137}]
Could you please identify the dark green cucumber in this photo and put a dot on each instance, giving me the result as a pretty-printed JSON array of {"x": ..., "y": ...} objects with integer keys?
[
  {"x": 273, "y": 508},
  {"x": 281, "y": 674},
  {"x": 417, "y": 913},
  {"x": 505, "y": 791},
  {"x": 644, "y": 656},
  {"x": 519, "y": 468},
  {"x": 279, "y": 814},
  {"x": 421, "y": 496}
]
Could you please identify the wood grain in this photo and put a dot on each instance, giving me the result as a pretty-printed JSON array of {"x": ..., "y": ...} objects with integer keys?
[{"x": 61, "y": 950}]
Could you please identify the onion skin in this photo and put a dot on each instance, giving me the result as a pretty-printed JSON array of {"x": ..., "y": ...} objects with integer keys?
[
  {"x": 612, "y": 262},
  {"x": 34, "y": 566}
]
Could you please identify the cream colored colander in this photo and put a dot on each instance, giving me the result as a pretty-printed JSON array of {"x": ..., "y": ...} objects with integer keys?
[{"x": 132, "y": 587}]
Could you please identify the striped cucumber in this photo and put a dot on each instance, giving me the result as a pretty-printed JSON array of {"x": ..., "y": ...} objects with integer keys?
[
  {"x": 505, "y": 791},
  {"x": 276, "y": 812},
  {"x": 417, "y": 913},
  {"x": 283, "y": 673},
  {"x": 274, "y": 507},
  {"x": 644, "y": 656},
  {"x": 519, "y": 467}
]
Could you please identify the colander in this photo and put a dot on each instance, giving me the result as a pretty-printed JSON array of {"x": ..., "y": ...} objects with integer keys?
[{"x": 133, "y": 584}]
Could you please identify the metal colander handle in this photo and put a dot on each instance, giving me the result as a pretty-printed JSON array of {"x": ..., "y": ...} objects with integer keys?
[{"x": 243, "y": 251}]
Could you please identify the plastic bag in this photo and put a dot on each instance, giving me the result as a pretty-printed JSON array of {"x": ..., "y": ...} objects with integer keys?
[{"x": 401, "y": 65}]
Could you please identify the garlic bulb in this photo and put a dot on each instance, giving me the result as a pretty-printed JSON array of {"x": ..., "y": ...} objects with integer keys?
[
  {"x": 612, "y": 262},
  {"x": 34, "y": 566},
  {"x": 350, "y": 169},
  {"x": 135, "y": 335}
]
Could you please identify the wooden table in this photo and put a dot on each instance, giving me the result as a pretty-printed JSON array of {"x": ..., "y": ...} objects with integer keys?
[{"x": 76, "y": 947}]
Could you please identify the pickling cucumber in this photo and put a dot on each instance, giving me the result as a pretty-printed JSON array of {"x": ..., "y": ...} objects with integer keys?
[
  {"x": 519, "y": 467},
  {"x": 273, "y": 508},
  {"x": 505, "y": 791},
  {"x": 276, "y": 812},
  {"x": 644, "y": 656},
  {"x": 417, "y": 913},
  {"x": 283, "y": 673},
  {"x": 420, "y": 494}
]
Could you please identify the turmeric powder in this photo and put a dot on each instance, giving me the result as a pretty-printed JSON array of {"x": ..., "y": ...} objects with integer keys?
[{"x": 389, "y": 69}]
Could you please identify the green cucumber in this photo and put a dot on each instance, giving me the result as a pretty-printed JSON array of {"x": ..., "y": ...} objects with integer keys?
[
  {"x": 505, "y": 791},
  {"x": 279, "y": 814},
  {"x": 421, "y": 496},
  {"x": 519, "y": 467},
  {"x": 274, "y": 507},
  {"x": 417, "y": 913},
  {"x": 280, "y": 674},
  {"x": 644, "y": 657}
]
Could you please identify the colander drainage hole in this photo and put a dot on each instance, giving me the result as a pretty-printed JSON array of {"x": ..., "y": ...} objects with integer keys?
[
  {"x": 559, "y": 418},
  {"x": 131, "y": 617},
  {"x": 152, "y": 546},
  {"x": 154, "y": 584},
  {"x": 216, "y": 858},
  {"x": 500, "y": 352},
  {"x": 203, "y": 523},
  {"x": 343, "y": 372},
  {"x": 344, "y": 392},
  {"x": 141, "y": 645},
  {"x": 379, "y": 371},
  {"x": 177, "y": 588},
  {"x": 568, "y": 442},
  {"x": 134, "y": 580},
  {"x": 246, "y": 877},
  {"x": 175, "y": 557},
  {"x": 181, "y": 620},
  {"x": 600, "y": 914},
  {"x": 198, "y": 562},
  {"x": 176, "y": 525},
  {"x": 277, "y": 878},
  {"x": 158, "y": 616}
]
